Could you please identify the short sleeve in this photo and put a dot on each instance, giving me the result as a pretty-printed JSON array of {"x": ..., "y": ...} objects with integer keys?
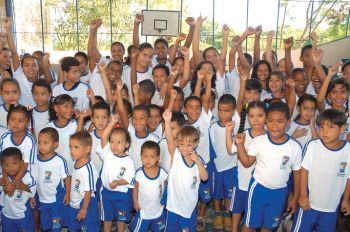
[
  {"x": 297, "y": 159},
  {"x": 307, "y": 157},
  {"x": 88, "y": 180},
  {"x": 206, "y": 116},
  {"x": 103, "y": 152},
  {"x": 252, "y": 149},
  {"x": 64, "y": 169}
]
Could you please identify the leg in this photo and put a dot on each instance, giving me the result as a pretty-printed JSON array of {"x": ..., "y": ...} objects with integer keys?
[
  {"x": 304, "y": 220},
  {"x": 265, "y": 230},
  {"x": 37, "y": 220},
  {"x": 121, "y": 226},
  {"x": 246, "y": 229},
  {"x": 107, "y": 225},
  {"x": 236, "y": 218}
]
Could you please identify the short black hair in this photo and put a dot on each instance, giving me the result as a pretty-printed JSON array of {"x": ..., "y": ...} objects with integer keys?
[
  {"x": 151, "y": 145},
  {"x": 101, "y": 106},
  {"x": 177, "y": 58},
  {"x": 52, "y": 132},
  {"x": 68, "y": 62},
  {"x": 82, "y": 54},
  {"x": 40, "y": 82},
  {"x": 127, "y": 106},
  {"x": 306, "y": 47},
  {"x": 142, "y": 108},
  {"x": 279, "y": 107},
  {"x": 334, "y": 116},
  {"x": 256, "y": 66},
  {"x": 147, "y": 86},
  {"x": 161, "y": 40},
  {"x": 11, "y": 152},
  {"x": 179, "y": 90},
  {"x": 253, "y": 84},
  {"x": 249, "y": 58},
  {"x": 163, "y": 67},
  {"x": 227, "y": 99},
  {"x": 117, "y": 62},
  {"x": 83, "y": 137},
  {"x": 123, "y": 131},
  {"x": 306, "y": 97},
  {"x": 118, "y": 44},
  {"x": 144, "y": 46},
  {"x": 256, "y": 104},
  {"x": 297, "y": 70},
  {"x": 156, "y": 107},
  {"x": 344, "y": 65},
  {"x": 192, "y": 97},
  {"x": 178, "y": 117}
]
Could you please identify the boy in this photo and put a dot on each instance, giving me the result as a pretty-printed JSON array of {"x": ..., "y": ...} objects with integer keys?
[
  {"x": 300, "y": 80},
  {"x": 52, "y": 170},
  {"x": 146, "y": 92},
  {"x": 225, "y": 174},
  {"x": 177, "y": 121},
  {"x": 137, "y": 129},
  {"x": 321, "y": 189},
  {"x": 72, "y": 85},
  {"x": 276, "y": 156},
  {"x": 148, "y": 190},
  {"x": 83, "y": 209},
  {"x": 16, "y": 215},
  {"x": 161, "y": 47}
]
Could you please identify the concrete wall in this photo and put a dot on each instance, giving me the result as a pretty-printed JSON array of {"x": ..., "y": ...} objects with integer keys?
[{"x": 335, "y": 51}]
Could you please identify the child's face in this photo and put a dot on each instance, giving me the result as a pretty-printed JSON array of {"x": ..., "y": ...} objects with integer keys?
[
  {"x": 73, "y": 75},
  {"x": 41, "y": 95},
  {"x": 193, "y": 109},
  {"x": 118, "y": 143},
  {"x": 155, "y": 119},
  {"x": 178, "y": 103},
  {"x": 256, "y": 118},
  {"x": 225, "y": 112},
  {"x": 10, "y": 93},
  {"x": 179, "y": 64},
  {"x": 174, "y": 129},
  {"x": 65, "y": 110},
  {"x": 307, "y": 110},
  {"x": 18, "y": 122},
  {"x": 338, "y": 95},
  {"x": 315, "y": 80},
  {"x": 114, "y": 72},
  {"x": 161, "y": 50},
  {"x": 11, "y": 165},
  {"x": 159, "y": 77},
  {"x": 276, "y": 123},
  {"x": 186, "y": 146},
  {"x": 262, "y": 72},
  {"x": 45, "y": 144},
  {"x": 145, "y": 57},
  {"x": 100, "y": 118},
  {"x": 307, "y": 58},
  {"x": 251, "y": 95},
  {"x": 5, "y": 59},
  {"x": 346, "y": 73},
  {"x": 83, "y": 64},
  {"x": 117, "y": 52},
  {"x": 140, "y": 120},
  {"x": 212, "y": 56},
  {"x": 282, "y": 65},
  {"x": 206, "y": 68},
  {"x": 149, "y": 157},
  {"x": 300, "y": 82},
  {"x": 30, "y": 68},
  {"x": 329, "y": 132},
  {"x": 78, "y": 150},
  {"x": 275, "y": 84},
  {"x": 125, "y": 94}
]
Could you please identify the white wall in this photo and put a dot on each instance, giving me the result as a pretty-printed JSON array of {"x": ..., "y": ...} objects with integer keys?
[{"x": 335, "y": 51}]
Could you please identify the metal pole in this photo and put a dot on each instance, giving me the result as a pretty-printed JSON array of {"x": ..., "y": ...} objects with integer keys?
[
  {"x": 9, "y": 13},
  {"x": 312, "y": 12},
  {"x": 278, "y": 16},
  {"x": 213, "y": 26},
  {"x": 77, "y": 22},
  {"x": 246, "y": 26},
  {"x": 42, "y": 25},
  {"x": 347, "y": 24},
  {"x": 181, "y": 8},
  {"x": 110, "y": 20},
  {"x": 146, "y": 9}
]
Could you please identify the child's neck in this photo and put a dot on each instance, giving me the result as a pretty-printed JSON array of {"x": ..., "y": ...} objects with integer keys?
[
  {"x": 48, "y": 155},
  {"x": 142, "y": 133},
  {"x": 151, "y": 172},
  {"x": 151, "y": 129},
  {"x": 61, "y": 122},
  {"x": 99, "y": 132},
  {"x": 18, "y": 136},
  {"x": 188, "y": 160},
  {"x": 68, "y": 84},
  {"x": 302, "y": 120},
  {"x": 278, "y": 94},
  {"x": 190, "y": 120},
  {"x": 121, "y": 153},
  {"x": 334, "y": 145},
  {"x": 140, "y": 68},
  {"x": 340, "y": 108},
  {"x": 82, "y": 161},
  {"x": 257, "y": 131},
  {"x": 263, "y": 84},
  {"x": 280, "y": 139},
  {"x": 42, "y": 107}
]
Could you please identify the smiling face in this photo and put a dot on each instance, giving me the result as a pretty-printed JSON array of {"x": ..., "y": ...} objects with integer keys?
[
  {"x": 338, "y": 95},
  {"x": 212, "y": 56},
  {"x": 193, "y": 109},
  {"x": 64, "y": 111},
  {"x": 262, "y": 72},
  {"x": 118, "y": 143},
  {"x": 159, "y": 77},
  {"x": 155, "y": 119},
  {"x": 10, "y": 93},
  {"x": 5, "y": 59},
  {"x": 300, "y": 82},
  {"x": 276, "y": 123},
  {"x": 117, "y": 52},
  {"x": 140, "y": 120},
  {"x": 160, "y": 50},
  {"x": 275, "y": 84},
  {"x": 30, "y": 68}
]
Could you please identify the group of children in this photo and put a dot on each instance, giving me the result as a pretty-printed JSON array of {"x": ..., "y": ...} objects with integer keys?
[{"x": 148, "y": 141}]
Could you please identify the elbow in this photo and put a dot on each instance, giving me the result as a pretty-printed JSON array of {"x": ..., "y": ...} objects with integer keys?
[{"x": 204, "y": 177}]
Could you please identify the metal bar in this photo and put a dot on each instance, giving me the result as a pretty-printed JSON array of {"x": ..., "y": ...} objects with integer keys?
[
  {"x": 77, "y": 22},
  {"x": 246, "y": 26},
  {"x": 278, "y": 18},
  {"x": 347, "y": 24},
  {"x": 312, "y": 12},
  {"x": 146, "y": 9},
  {"x": 9, "y": 13},
  {"x": 110, "y": 20},
  {"x": 42, "y": 25},
  {"x": 213, "y": 26},
  {"x": 181, "y": 8}
]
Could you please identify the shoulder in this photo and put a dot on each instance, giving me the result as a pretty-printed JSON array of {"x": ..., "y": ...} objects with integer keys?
[
  {"x": 295, "y": 142},
  {"x": 6, "y": 134},
  {"x": 163, "y": 171},
  {"x": 153, "y": 136},
  {"x": 139, "y": 172},
  {"x": 83, "y": 85}
]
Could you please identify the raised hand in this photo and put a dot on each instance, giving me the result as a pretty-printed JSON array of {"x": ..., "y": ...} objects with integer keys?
[
  {"x": 270, "y": 34},
  {"x": 258, "y": 30},
  {"x": 236, "y": 41},
  {"x": 113, "y": 119},
  {"x": 250, "y": 31},
  {"x": 102, "y": 67},
  {"x": 7, "y": 22},
  {"x": 225, "y": 30},
  {"x": 240, "y": 139},
  {"x": 288, "y": 43},
  {"x": 200, "y": 20},
  {"x": 314, "y": 37},
  {"x": 317, "y": 56},
  {"x": 230, "y": 125},
  {"x": 190, "y": 21},
  {"x": 167, "y": 116},
  {"x": 184, "y": 50},
  {"x": 138, "y": 18},
  {"x": 181, "y": 37}
]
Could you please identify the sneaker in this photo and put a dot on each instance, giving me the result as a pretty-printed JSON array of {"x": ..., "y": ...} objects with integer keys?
[
  {"x": 200, "y": 224},
  {"x": 227, "y": 224},
  {"x": 217, "y": 222}
]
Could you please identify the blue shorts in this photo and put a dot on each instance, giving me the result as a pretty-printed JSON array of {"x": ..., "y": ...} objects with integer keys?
[
  {"x": 314, "y": 220},
  {"x": 176, "y": 222},
  {"x": 143, "y": 225},
  {"x": 116, "y": 205},
  {"x": 90, "y": 223},
  {"x": 238, "y": 200},
  {"x": 51, "y": 216},
  {"x": 264, "y": 206},
  {"x": 206, "y": 188},
  {"x": 98, "y": 189},
  {"x": 23, "y": 224},
  {"x": 224, "y": 182}
]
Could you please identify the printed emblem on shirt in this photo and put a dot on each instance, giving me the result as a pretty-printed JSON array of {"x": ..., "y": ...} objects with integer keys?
[
  {"x": 19, "y": 194},
  {"x": 75, "y": 100},
  {"x": 121, "y": 172},
  {"x": 160, "y": 190},
  {"x": 194, "y": 182},
  {"x": 343, "y": 166},
  {"x": 76, "y": 185},
  {"x": 48, "y": 175},
  {"x": 285, "y": 160}
]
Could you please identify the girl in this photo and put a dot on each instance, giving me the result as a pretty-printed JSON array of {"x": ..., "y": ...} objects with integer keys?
[
  {"x": 303, "y": 127},
  {"x": 10, "y": 92},
  {"x": 117, "y": 175},
  {"x": 42, "y": 92},
  {"x": 262, "y": 71},
  {"x": 256, "y": 112},
  {"x": 155, "y": 121}
]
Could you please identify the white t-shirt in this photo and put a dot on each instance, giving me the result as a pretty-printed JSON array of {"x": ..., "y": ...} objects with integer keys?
[
  {"x": 147, "y": 75},
  {"x": 274, "y": 162},
  {"x": 77, "y": 92},
  {"x": 26, "y": 88},
  {"x": 136, "y": 143},
  {"x": 14, "y": 207},
  {"x": 232, "y": 83},
  {"x": 311, "y": 90},
  {"x": 64, "y": 134},
  {"x": 328, "y": 173},
  {"x": 150, "y": 193},
  {"x": 183, "y": 186},
  {"x": 40, "y": 120},
  {"x": 165, "y": 158},
  {"x": 95, "y": 156},
  {"x": 50, "y": 177},
  {"x": 116, "y": 168},
  {"x": 3, "y": 115},
  {"x": 157, "y": 99},
  {"x": 96, "y": 84},
  {"x": 83, "y": 180},
  {"x": 86, "y": 78},
  {"x": 155, "y": 62},
  {"x": 304, "y": 139}
]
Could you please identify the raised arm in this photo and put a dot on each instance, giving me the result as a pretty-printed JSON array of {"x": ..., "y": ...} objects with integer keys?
[
  {"x": 317, "y": 56},
  {"x": 290, "y": 95},
  {"x": 181, "y": 37},
  {"x": 46, "y": 68},
  {"x": 120, "y": 105},
  {"x": 206, "y": 101},
  {"x": 222, "y": 58},
  {"x": 135, "y": 35},
  {"x": 268, "y": 52},
  {"x": 187, "y": 69},
  {"x": 170, "y": 85},
  {"x": 288, "y": 44},
  {"x": 172, "y": 98},
  {"x": 196, "y": 37},
  {"x": 92, "y": 51},
  {"x": 135, "y": 92},
  {"x": 244, "y": 76},
  {"x": 102, "y": 67},
  {"x": 256, "y": 54},
  {"x": 107, "y": 131},
  {"x": 245, "y": 159},
  {"x": 81, "y": 120},
  {"x": 133, "y": 69},
  {"x": 15, "y": 56},
  {"x": 167, "y": 124},
  {"x": 199, "y": 83},
  {"x": 192, "y": 23},
  {"x": 321, "y": 96},
  {"x": 232, "y": 54}
]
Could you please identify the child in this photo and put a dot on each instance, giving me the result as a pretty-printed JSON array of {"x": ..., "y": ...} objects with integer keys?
[
  {"x": 72, "y": 85},
  {"x": 300, "y": 80},
  {"x": 187, "y": 170},
  {"x": 303, "y": 128},
  {"x": 276, "y": 156},
  {"x": 160, "y": 75},
  {"x": 256, "y": 112},
  {"x": 325, "y": 176},
  {"x": 52, "y": 171},
  {"x": 83, "y": 209},
  {"x": 41, "y": 91},
  {"x": 161, "y": 47},
  {"x": 16, "y": 212},
  {"x": 145, "y": 93},
  {"x": 117, "y": 176},
  {"x": 85, "y": 75},
  {"x": 149, "y": 186},
  {"x": 10, "y": 92},
  {"x": 261, "y": 71},
  {"x": 177, "y": 121},
  {"x": 137, "y": 129},
  {"x": 225, "y": 174},
  {"x": 155, "y": 121}
]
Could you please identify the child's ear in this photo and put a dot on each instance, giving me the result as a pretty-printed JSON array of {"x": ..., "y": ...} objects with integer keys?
[
  {"x": 55, "y": 145},
  {"x": 64, "y": 73},
  {"x": 342, "y": 129},
  {"x": 87, "y": 149}
]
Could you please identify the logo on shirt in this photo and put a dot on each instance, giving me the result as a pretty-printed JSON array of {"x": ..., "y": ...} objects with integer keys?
[
  {"x": 48, "y": 175},
  {"x": 121, "y": 172},
  {"x": 75, "y": 100},
  {"x": 19, "y": 194},
  {"x": 342, "y": 169},
  {"x": 194, "y": 182},
  {"x": 160, "y": 190},
  {"x": 285, "y": 160},
  {"x": 76, "y": 185}
]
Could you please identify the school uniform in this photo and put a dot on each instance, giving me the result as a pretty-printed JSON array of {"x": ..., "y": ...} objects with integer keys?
[
  {"x": 303, "y": 139},
  {"x": 140, "y": 76},
  {"x": 165, "y": 158},
  {"x": 26, "y": 97},
  {"x": 3, "y": 115},
  {"x": 40, "y": 120}
]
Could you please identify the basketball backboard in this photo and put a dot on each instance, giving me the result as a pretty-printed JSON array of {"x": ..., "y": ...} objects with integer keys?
[{"x": 160, "y": 23}]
